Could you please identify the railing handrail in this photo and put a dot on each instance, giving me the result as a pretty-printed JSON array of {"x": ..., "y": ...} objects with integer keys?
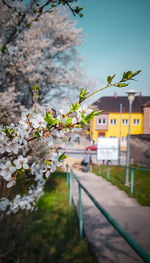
[
  {"x": 139, "y": 168},
  {"x": 139, "y": 250}
]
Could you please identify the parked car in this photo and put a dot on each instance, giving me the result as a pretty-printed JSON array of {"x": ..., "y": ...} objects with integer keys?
[{"x": 91, "y": 148}]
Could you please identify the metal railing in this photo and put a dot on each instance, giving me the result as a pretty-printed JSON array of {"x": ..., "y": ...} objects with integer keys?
[
  {"x": 132, "y": 169},
  {"x": 132, "y": 175},
  {"x": 133, "y": 244}
]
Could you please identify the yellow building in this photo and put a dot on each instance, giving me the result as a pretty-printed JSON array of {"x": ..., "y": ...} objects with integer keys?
[{"x": 114, "y": 120}]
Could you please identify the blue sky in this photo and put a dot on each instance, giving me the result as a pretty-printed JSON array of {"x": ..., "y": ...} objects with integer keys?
[{"x": 118, "y": 40}]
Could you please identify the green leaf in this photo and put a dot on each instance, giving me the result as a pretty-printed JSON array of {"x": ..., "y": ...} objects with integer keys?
[
  {"x": 83, "y": 121},
  {"x": 78, "y": 9},
  {"x": 121, "y": 85},
  {"x": 47, "y": 118},
  {"x": 110, "y": 78},
  {"x": 22, "y": 170},
  {"x": 92, "y": 114},
  {"x": 68, "y": 121},
  {"x": 54, "y": 122},
  {"x": 136, "y": 73},
  {"x": 97, "y": 112},
  {"x": 36, "y": 134},
  {"x": 89, "y": 116},
  {"x": 81, "y": 15},
  {"x": 63, "y": 157},
  {"x": 50, "y": 120},
  {"x": 83, "y": 94},
  {"x": 74, "y": 107},
  {"x": 6, "y": 130},
  {"x": 47, "y": 162},
  {"x": 78, "y": 126},
  {"x": 129, "y": 75},
  {"x": 12, "y": 131}
]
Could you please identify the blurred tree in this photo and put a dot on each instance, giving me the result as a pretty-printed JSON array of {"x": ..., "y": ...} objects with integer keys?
[{"x": 45, "y": 54}]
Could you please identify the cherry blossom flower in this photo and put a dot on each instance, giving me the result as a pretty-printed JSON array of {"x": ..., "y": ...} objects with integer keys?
[
  {"x": 4, "y": 203},
  {"x": 35, "y": 167},
  {"x": 20, "y": 138},
  {"x": 2, "y": 136},
  {"x": 24, "y": 124},
  {"x": 38, "y": 121},
  {"x": 74, "y": 120},
  {"x": 4, "y": 146},
  {"x": 14, "y": 146},
  {"x": 48, "y": 172},
  {"x": 11, "y": 183},
  {"x": 62, "y": 118},
  {"x": 84, "y": 109},
  {"x": 58, "y": 133},
  {"x": 21, "y": 162},
  {"x": 65, "y": 110},
  {"x": 7, "y": 170},
  {"x": 53, "y": 168}
]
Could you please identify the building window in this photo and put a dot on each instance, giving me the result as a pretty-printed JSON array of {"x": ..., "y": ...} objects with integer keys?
[
  {"x": 124, "y": 121},
  {"x": 124, "y": 139},
  {"x": 101, "y": 121},
  {"x": 136, "y": 121},
  {"x": 113, "y": 121}
]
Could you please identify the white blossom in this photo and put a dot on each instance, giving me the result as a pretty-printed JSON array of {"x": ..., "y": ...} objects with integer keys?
[
  {"x": 84, "y": 109},
  {"x": 38, "y": 121},
  {"x": 4, "y": 204},
  {"x": 14, "y": 146},
  {"x": 11, "y": 183},
  {"x": 7, "y": 170},
  {"x": 4, "y": 146},
  {"x": 21, "y": 162}
]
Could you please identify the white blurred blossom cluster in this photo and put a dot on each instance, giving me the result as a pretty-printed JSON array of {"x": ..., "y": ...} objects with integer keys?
[
  {"x": 46, "y": 54},
  {"x": 51, "y": 128}
]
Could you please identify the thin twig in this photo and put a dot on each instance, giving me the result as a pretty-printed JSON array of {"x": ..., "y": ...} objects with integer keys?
[
  {"x": 36, "y": 152},
  {"x": 6, "y": 4}
]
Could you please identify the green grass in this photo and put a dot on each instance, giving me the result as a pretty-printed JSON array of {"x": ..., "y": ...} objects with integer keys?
[
  {"x": 141, "y": 182},
  {"x": 49, "y": 235}
]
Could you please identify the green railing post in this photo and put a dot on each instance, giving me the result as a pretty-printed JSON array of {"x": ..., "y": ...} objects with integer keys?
[
  {"x": 108, "y": 172},
  {"x": 119, "y": 154},
  {"x": 70, "y": 188},
  {"x": 80, "y": 211},
  {"x": 132, "y": 181},
  {"x": 90, "y": 168},
  {"x": 67, "y": 174},
  {"x": 99, "y": 171}
]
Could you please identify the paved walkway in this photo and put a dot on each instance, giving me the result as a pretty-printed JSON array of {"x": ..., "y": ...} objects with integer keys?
[{"x": 107, "y": 245}]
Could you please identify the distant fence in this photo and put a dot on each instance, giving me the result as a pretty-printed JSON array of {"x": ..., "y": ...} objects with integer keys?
[{"x": 134, "y": 245}]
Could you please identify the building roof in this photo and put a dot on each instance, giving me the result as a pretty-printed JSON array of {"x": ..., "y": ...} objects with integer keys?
[
  {"x": 146, "y": 104},
  {"x": 112, "y": 104}
]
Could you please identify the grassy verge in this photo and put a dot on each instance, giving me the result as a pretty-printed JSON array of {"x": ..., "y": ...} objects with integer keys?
[
  {"x": 48, "y": 235},
  {"x": 141, "y": 182}
]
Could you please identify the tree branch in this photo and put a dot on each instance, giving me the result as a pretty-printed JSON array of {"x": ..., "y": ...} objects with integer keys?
[
  {"x": 6, "y": 4},
  {"x": 36, "y": 152},
  {"x": 12, "y": 35}
]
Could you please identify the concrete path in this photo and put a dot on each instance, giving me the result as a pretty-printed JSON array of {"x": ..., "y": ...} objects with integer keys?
[{"x": 107, "y": 245}]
